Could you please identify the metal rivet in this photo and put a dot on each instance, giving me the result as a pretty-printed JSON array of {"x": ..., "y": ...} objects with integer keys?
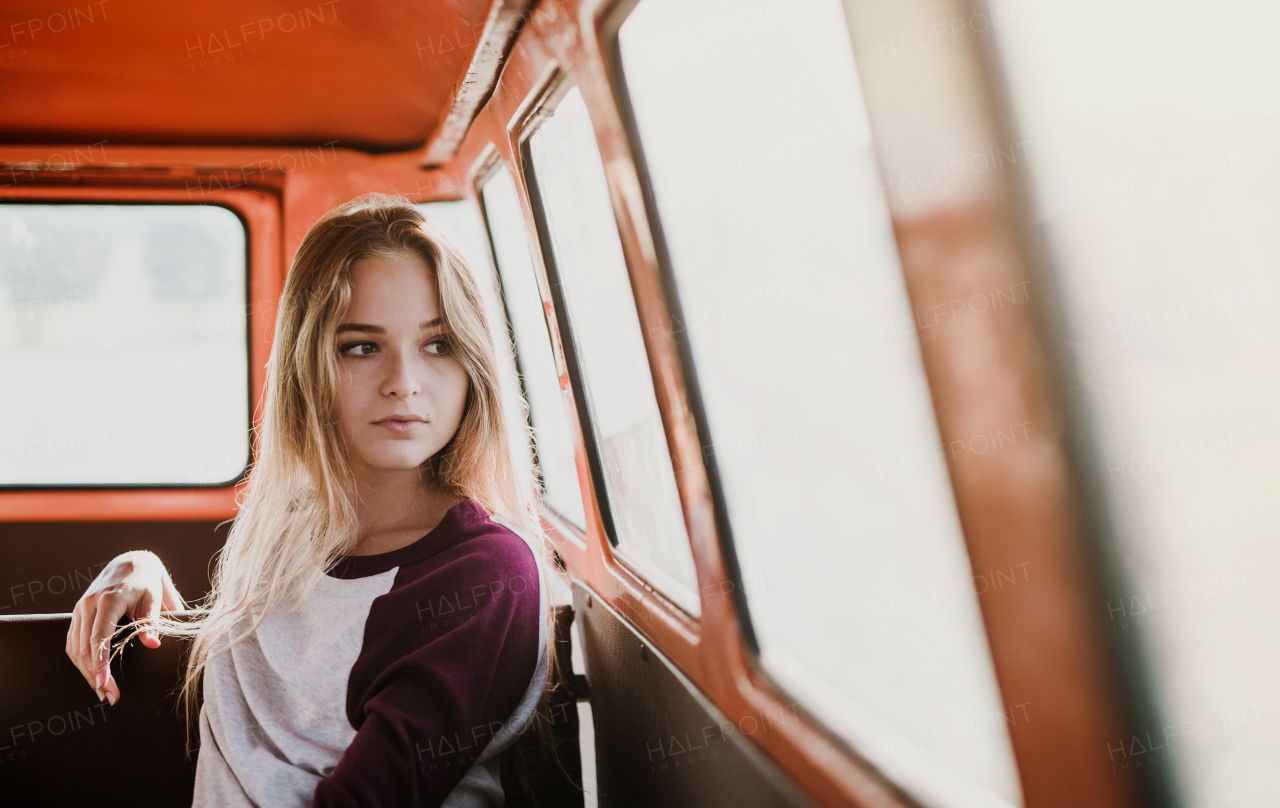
[{"x": 644, "y": 653}]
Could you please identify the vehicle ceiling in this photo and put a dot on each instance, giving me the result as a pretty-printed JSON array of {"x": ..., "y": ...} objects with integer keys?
[{"x": 373, "y": 75}]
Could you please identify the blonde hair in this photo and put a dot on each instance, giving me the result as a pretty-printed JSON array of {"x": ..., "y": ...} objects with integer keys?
[{"x": 297, "y": 516}]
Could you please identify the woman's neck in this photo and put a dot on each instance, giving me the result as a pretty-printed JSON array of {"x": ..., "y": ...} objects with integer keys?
[{"x": 395, "y": 508}]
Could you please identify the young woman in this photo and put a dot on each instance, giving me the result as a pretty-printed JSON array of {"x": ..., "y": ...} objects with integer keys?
[{"x": 377, "y": 631}]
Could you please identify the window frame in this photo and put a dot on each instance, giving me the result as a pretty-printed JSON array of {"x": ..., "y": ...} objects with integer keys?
[
  {"x": 610, "y": 16},
  {"x": 1067, "y": 562},
  {"x": 484, "y": 171},
  {"x": 608, "y": 24},
  {"x": 557, "y": 89},
  {"x": 710, "y": 651},
  {"x": 571, "y": 542},
  {"x": 572, "y": 366},
  {"x": 588, "y": 554},
  {"x": 259, "y": 212},
  {"x": 1060, "y": 755}
]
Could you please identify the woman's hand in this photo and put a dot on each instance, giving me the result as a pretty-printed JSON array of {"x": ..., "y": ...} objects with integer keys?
[{"x": 134, "y": 583}]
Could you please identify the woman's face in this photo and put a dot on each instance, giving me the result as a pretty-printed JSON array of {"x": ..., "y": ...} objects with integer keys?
[{"x": 401, "y": 390}]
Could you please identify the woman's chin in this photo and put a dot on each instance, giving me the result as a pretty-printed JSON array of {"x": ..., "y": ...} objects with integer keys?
[{"x": 395, "y": 461}]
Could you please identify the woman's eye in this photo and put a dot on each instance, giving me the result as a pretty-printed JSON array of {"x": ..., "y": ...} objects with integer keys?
[
  {"x": 438, "y": 346},
  {"x": 359, "y": 349}
]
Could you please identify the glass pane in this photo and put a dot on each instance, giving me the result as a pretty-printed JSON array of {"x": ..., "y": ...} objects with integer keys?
[
  {"x": 643, "y": 500},
  {"x": 822, "y": 428},
  {"x": 123, "y": 345},
  {"x": 551, "y": 432},
  {"x": 1153, "y": 162},
  {"x": 461, "y": 222}
]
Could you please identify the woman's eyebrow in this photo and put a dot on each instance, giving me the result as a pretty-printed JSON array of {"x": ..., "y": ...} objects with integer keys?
[
  {"x": 371, "y": 329},
  {"x": 377, "y": 329}
]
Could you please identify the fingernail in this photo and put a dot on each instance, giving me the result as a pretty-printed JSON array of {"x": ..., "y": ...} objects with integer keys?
[
  {"x": 101, "y": 681},
  {"x": 101, "y": 697},
  {"x": 111, "y": 698}
]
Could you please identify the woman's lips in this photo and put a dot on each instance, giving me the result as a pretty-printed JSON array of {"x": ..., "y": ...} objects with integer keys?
[{"x": 397, "y": 424}]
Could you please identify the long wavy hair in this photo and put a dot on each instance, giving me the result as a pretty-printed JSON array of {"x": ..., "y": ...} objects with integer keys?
[{"x": 297, "y": 511}]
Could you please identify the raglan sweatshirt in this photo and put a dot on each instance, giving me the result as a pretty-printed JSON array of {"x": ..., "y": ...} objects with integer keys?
[{"x": 398, "y": 682}]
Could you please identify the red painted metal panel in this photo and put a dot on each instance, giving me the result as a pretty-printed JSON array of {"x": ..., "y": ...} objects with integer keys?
[{"x": 373, "y": 75}]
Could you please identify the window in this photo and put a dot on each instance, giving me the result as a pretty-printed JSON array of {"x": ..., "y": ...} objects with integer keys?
[
  {"x": 123, "y": 345},
  {"x": 823, "y": 439},
  {"x": 630, "y": 445},
  {"x": 1154, "y": 168},
  {"x": 460, "y": 221},
  {"x": 552, "y": 436}
]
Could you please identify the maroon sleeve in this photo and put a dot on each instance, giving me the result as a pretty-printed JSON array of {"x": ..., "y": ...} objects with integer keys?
[{"x": 448, "y": 655}]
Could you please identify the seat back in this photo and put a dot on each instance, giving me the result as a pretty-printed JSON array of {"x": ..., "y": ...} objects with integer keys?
[
  {"x": 543, "y": 769},
  {"x": 60, "y": 746}
]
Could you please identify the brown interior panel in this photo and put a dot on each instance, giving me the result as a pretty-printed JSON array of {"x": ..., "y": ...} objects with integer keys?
[
  {"x": 61, "y": 746},
  {"x": 659, "y": 741},
  {"x": 48, "y": 565}
]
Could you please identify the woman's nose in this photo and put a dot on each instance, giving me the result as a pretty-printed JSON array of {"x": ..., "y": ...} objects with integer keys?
[{"x": 401, "y": 380}]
